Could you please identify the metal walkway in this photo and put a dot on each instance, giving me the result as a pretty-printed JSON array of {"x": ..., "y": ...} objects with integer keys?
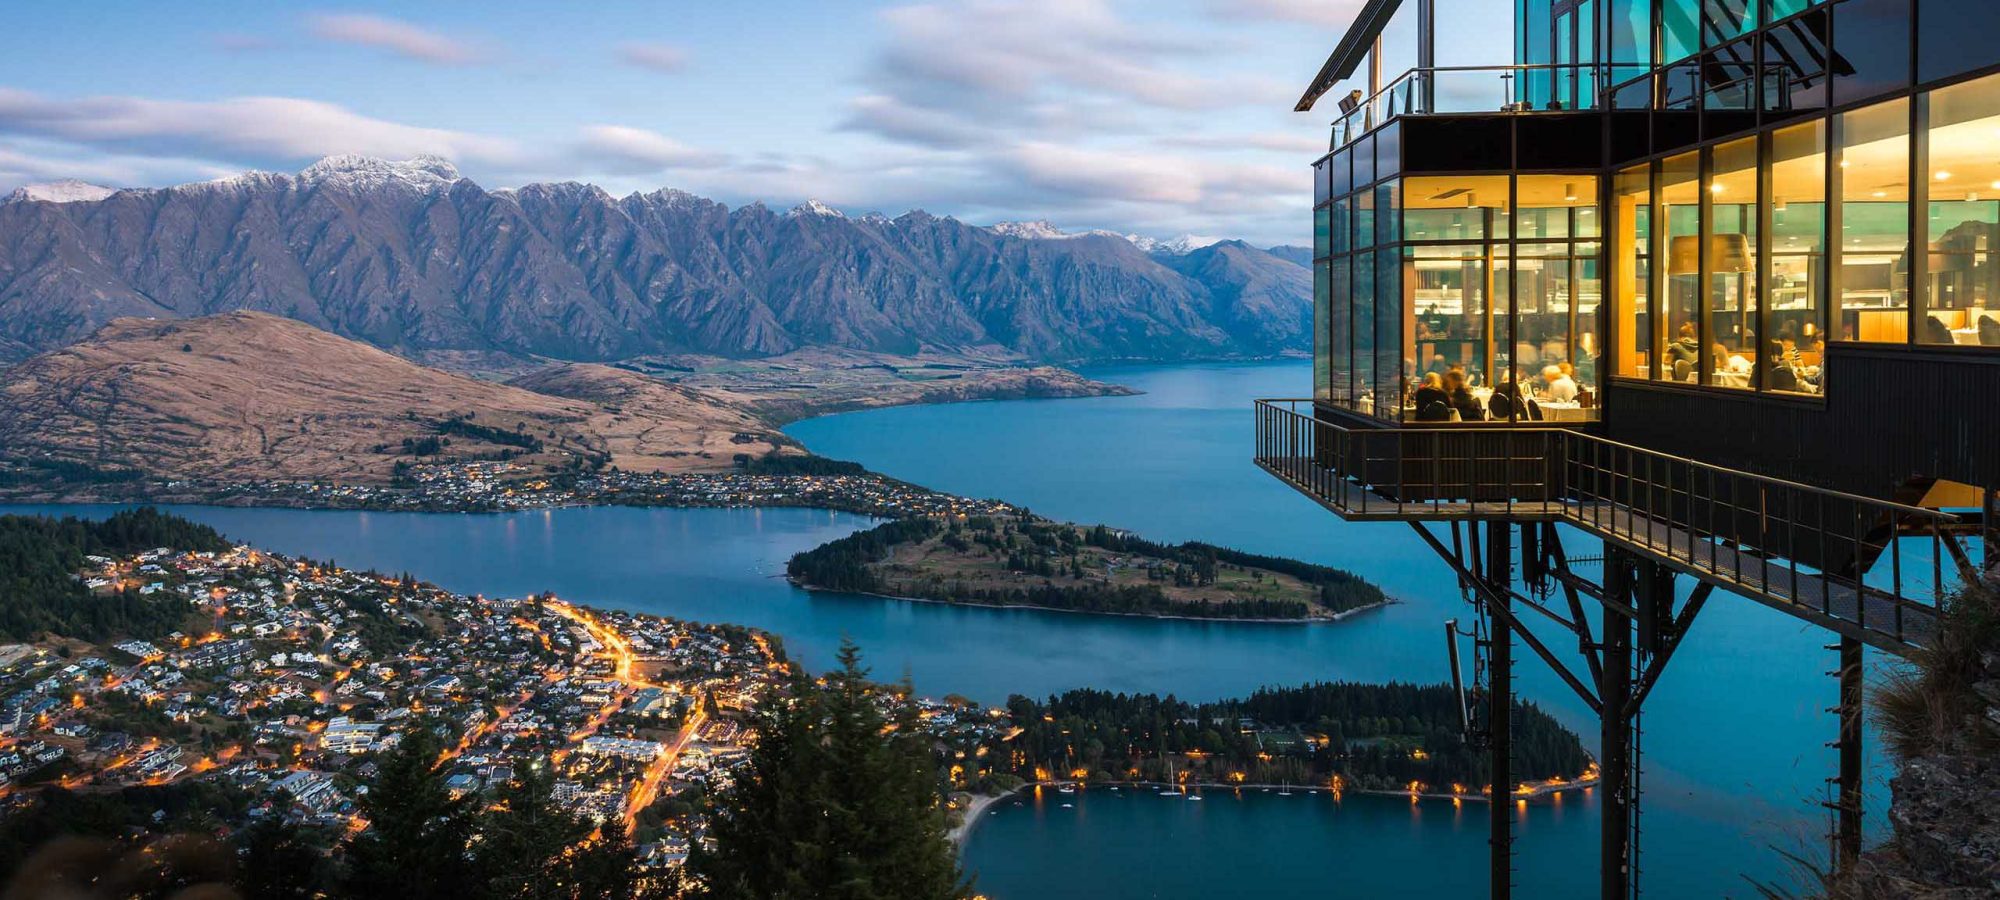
[{"x": 1806, "y": 551}]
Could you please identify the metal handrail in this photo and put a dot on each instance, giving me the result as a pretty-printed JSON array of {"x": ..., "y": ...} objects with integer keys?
[
  {"x": 1739, "y": 527},
  {"x": 1417, "y": 75},
  {"x": 1735, "y": 473}
]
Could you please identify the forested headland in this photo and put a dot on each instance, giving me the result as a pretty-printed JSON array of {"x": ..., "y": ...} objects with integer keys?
[
  {"x": 1033, "y": 562},
  {"x": 1370, "y": 736}
]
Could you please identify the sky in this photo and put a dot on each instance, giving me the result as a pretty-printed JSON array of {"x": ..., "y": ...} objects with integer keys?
[{"x": 1160, "y": 118}]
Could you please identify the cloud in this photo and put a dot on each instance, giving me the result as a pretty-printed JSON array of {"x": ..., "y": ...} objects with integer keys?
[
  {"x": 249, "y": 130},
  {"x": 645, "y": 150},
  {"x": 655, "y": 56},
  {"x": 1331, "y": 13},
  {"x": 391, "y": 35}
]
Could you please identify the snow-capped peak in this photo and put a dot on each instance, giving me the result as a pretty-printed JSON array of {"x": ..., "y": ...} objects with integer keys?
[
  {"x": 364, "y": 171},
  {"x": 1040, "y": 230},
  {"x": 68, "y": 190},
  {"x": 816, "y": 208},
  {"x": 1179, "y": 246}
]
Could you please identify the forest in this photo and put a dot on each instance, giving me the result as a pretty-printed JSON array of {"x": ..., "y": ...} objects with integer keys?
[
  {"x": 1374, "y": 736},
  {"x": 40, "y": 557}
]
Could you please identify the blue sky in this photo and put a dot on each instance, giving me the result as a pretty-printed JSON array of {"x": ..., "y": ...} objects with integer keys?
[{"x": 1157, "y": 117}]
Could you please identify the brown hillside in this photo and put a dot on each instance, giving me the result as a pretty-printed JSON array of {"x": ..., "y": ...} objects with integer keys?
[{"x": 248, "y": 395}]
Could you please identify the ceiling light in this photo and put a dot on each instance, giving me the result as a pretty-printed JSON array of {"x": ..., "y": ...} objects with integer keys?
[
  {"x": 1569, "y": 191},
  {"x": 1944, "y": 176},
  {"x": 1715, "y": 188},
  {"x": 1881, "y": 193}
]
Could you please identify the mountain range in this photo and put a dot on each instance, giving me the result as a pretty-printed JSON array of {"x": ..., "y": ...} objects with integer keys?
[{"x": 414, "y": 258}]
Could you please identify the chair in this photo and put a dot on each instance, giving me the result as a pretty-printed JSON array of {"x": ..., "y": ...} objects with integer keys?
[
  {"x": 1434, "y": 411},
  {"x": 1989, "y": 331},
  {"x": 1683, "y": 370},
  {"x": 1784, "y": 378},
  {"x": 1937, "y": 332}
]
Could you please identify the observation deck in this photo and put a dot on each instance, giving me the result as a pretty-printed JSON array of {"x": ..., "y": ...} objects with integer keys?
[{"x": 1869, "y": 569}]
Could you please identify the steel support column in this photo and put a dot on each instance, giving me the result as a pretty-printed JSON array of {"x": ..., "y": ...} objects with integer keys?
[
  {"x": 1847, "y": 827},
  {"x": 1500, "y": 707},
  {"x": 1615, "y": 733}
]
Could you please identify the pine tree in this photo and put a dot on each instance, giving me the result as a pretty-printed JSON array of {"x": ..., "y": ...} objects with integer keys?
[
  {"x": 533, "y": 850},
  {"x": 418, "y": 833},
  {"x": 838, "y": 801}
]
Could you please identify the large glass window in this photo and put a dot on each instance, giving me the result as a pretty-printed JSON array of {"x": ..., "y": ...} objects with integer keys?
[
  {"x": 1446, "y": 284},
  {"x": 1961, "y": 299},
  {"x": 1874, "y": 176},
  {"x": 1322, "y": 330},
  {"x": 1340, "y": 304},
  {"x": 1795, "y": 274},
  {"x": 1632, "y": 248},
  {"x": 1393, "y": 363},
  {"x": 1364, "y": 334},
  {"x": 1731, "y": 305},
  {"x": 1675, "y": 306}
]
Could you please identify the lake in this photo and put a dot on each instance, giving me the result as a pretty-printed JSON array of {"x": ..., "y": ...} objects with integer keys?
[{"x": 1734, "y": 734}]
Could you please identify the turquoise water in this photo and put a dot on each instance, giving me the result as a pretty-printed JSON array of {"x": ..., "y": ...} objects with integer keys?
[{"x": 1734, "y": 734}]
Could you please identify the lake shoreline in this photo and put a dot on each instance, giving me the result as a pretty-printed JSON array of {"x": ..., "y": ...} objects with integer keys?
[
  {"x": 961, "y": 833},
  {"x": 1263, "y": 620}
]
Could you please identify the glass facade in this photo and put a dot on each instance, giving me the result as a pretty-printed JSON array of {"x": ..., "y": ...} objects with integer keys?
[
  {"x": 1461, "y": 289},
  {"x": 1797, "y": 182}
]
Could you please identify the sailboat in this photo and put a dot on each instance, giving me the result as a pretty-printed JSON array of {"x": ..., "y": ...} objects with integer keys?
[
  {"x": 1173, "y": 788},
  {"x": 1285, "y": 789}
]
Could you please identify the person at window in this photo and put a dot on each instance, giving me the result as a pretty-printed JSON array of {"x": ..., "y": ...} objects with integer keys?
[
  {"x": 1431, "y": 401},
  {"x": 1684, "y": 349},
  {"x": 1507, "y": 402},
  {"x": 1461, "y": 398},
  {"x": 1557, "y": 386}
]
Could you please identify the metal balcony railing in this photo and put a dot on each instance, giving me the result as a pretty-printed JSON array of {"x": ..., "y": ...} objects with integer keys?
[
  {"x": 1811, "y": 551},
  {"x": 1471, "y": 89}
]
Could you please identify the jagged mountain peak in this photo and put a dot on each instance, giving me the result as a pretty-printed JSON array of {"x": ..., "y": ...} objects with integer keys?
[
  {"x": 816, "y": 208},
  {"x": 67, "y": 190},
  {"x": 422, "y": 171},
  {"x": 1039, "y": 230}
]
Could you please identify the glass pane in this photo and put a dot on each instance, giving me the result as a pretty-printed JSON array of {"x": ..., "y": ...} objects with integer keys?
[
  {"x": 1632, "y": 249},
  {"x": 1731, "y": 360},
  {"x": 1962, "y": 304},
  {"x": 1586, "y": 350},
  {"x": 1339, "y": 230},
  {"x": 1386, "y": 218},
  {"x": 1393, "y": 354},
  {"x": 1726, "y": 19},
  {"x": 1631, "y": 31},
  {"x": 1364, "y": 332},
  {"x": 1795, "y": 66},
  {"x": 1873, "y": 38},
  {"x": 1679, "y": 197},
  {"x": 1544, "y": 286},
  {"x": 1447, "y": 286},
  {"x": 1322, "y": 331},
  {"x": 1322, "y": 231},
  {"x": 1551, "y": 205},
  {"x": 1874, "y": 223},
  {"x": 1340, "y": 305},
  {"x": 1364, "y": 219},
  {"x": 1452, "y": 208},
  {"x": 1796, "y": 272},
  {"x": 1680, "y": 29}
]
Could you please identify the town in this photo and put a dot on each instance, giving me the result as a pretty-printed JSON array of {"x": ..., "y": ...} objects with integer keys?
[
  {"x": 305, "y": 673},
  {"x": 502, "y": 485}
]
